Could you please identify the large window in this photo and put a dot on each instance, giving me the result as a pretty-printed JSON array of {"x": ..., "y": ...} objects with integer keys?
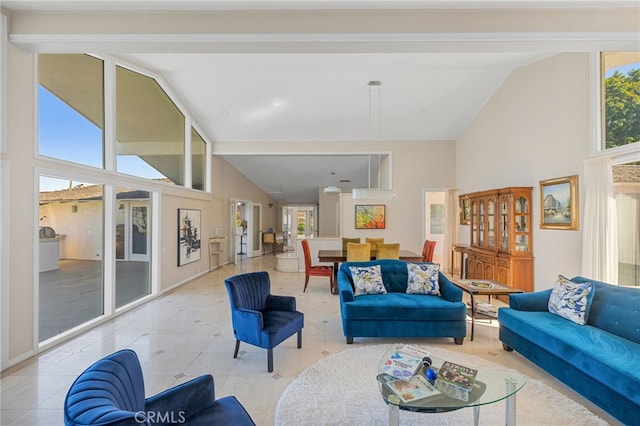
[
  {"x": 620, "y": 98},
  {"x": 150, "y": 129},
  {"x": 626, "y": 179},
  {"x": 71, "y": 287},
  {"x": 198, "y": 160},
  {"x": 133, "y": 245},
  {"x": 71, "y": 108}
]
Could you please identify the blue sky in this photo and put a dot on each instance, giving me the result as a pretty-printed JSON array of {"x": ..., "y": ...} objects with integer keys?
[{"x": 64, "y": 133}]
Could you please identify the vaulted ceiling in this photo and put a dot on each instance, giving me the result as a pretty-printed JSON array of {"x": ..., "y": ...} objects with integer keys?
[{"x": 298, "y": 92}]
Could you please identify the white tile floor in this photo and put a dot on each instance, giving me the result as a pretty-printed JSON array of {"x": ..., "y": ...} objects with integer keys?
[{"x": 187, "y": 333}]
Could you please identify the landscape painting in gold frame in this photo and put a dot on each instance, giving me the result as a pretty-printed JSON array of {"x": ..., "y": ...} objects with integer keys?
[{"x": 559, "y": 203}]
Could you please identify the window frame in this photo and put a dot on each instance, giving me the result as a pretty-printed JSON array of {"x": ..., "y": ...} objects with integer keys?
[{"x": 619, "y": 154}]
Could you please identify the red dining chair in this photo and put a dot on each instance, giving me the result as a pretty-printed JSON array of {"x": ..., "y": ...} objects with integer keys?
[
  {"x": 427, "y": 250},
  {"x": 314, "y": 270}
]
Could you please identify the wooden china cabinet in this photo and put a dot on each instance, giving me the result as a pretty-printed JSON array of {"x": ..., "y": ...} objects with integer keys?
[{"x": 501, "y": 248}]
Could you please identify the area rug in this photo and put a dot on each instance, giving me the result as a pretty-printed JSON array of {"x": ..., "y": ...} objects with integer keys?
[{"x": 342, "y": 390}]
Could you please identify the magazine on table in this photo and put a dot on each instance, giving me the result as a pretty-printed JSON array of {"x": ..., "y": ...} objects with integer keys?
[
  {"x": 487, "y": 309},
  {"x": 416, "y": 388},
  {"x": 456, "y": 380},
  {"x": 404, "y": 362}
]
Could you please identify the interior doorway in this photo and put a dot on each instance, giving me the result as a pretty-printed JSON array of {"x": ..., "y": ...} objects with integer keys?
[
  {"x": 435, "y": 222},
  {"x": 246, "y": 229},
  {"x": 298, "y": 223}
]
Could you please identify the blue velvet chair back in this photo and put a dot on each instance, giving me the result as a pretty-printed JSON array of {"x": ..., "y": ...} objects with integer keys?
[
  {"x": 109, "y": 392},
  {"x": 249, "y": 291}
]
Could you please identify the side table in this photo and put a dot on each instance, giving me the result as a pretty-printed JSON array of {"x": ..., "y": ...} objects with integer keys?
[
  {"x": 482, "y": 288},
  {"x": 463, "y": 249},
  {"x": 218, "y": 250}
]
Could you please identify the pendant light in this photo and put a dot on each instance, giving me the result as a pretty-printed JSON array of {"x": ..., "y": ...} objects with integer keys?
[{"x": 370, "y": 193}]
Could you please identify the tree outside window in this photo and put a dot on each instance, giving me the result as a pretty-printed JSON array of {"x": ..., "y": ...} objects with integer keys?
[{"x": 621, "y": 98}]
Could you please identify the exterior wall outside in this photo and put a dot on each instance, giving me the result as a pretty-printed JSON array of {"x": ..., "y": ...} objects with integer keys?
[{"x": 535, "y": 127}]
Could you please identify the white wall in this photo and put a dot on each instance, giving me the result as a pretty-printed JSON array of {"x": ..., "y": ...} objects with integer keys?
[
  {"x": 415, "y": 165},
  {"x": 535, "y": 127}
]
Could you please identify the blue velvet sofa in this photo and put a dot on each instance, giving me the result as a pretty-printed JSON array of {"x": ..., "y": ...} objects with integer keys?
[
  {"x": 600, "y": 360},
  {"x": 398, "y": 314}
]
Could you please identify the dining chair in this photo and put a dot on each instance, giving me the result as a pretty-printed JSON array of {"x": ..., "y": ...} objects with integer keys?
[
  {"x": 259, "y": 317},
  {"x": 374, "y": 242},
  {"x": 358, "y": 252},
  {"x": 314, "y": 270},
  {"x": 388, "y": 251},
  {"x": 111, "y": 392},
  {"x": 345, "y": 241},
  {"x": 427, "y": 250}
]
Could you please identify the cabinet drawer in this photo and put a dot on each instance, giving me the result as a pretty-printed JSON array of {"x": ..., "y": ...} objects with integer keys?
[
  {"x": 503, "y": 262},
  {"x": 486, "y": 259}
]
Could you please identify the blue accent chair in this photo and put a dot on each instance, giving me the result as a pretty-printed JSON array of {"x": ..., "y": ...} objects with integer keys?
[
  {"x": 260, "y": 318},
  {"x": 111, "y": 392}
]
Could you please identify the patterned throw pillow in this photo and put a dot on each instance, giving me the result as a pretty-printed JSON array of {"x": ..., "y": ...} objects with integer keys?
[
  {"x": 571, "y": 300},
  {"x": 423, "y": 278},
  {"x": 367, "y": 280}
]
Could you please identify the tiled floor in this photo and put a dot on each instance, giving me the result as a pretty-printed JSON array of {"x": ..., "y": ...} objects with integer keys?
[{"x": 187, "y": 333}]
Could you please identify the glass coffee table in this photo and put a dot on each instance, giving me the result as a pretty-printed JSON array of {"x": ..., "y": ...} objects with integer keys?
[{"x": 489, "y": 386}]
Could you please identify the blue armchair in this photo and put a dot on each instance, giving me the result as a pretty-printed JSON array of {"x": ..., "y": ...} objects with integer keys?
[
  {"x": 260, "y": 318},
  {"x": 111, "y": 392}
]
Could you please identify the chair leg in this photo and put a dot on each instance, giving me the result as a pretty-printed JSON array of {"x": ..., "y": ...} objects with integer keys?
[
  {"x": 299, "y": 338},
  {"x": 269, "y": 360},
  {"x": 235, "y": 353},
  {"x": 306, "y": 283}
]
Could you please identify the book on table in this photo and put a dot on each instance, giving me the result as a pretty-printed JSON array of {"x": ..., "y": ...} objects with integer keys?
[
  {"x": 404, "y": 362},
  {"x": 456, "y": 380},
  {"x": 418, "y": 387}
]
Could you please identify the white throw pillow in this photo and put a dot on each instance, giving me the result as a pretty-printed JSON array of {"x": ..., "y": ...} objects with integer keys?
[
  {"x": 423, "y": 278},
  {"x": 571, "y": 300},
  {"x": 367, "y": 280}
]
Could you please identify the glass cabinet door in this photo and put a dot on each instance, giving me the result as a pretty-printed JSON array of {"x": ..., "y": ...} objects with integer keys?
[
  {"x": 474, "y": 223},
  {"x": 504, "y": 224},
  {"x": 481, "y": 224},
  {"x": 491, "y": 231},
  {"x": 522, "y": 225}
]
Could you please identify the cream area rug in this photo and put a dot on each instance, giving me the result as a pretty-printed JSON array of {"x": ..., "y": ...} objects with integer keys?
[{"x": 342, "y": 390}]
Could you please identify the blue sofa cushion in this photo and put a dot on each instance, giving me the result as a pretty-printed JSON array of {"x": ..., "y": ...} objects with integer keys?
[
  {"x": 604, "y": 356},
  {"x": 403, "y": 307},
  {"x": 423, "y": 278},
  {"x": 571, "y": 300}
]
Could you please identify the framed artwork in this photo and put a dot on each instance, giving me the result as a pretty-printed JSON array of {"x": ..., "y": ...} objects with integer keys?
[
  {"x": 188, "y": 236},
  {"x": 370, "y": 216},
  {"x": 559, "y": 203},
  {"x": 465, "y": 210}
]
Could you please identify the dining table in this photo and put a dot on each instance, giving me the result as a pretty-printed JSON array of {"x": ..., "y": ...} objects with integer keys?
[{"x": 337, "y": 256}]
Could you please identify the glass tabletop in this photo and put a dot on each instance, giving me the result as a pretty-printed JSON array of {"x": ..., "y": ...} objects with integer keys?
[{"x": 422, "y": 394}]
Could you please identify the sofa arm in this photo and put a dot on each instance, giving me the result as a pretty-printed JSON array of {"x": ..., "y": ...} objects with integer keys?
[
  {"x": 536, "y": 301},
  {"x": 448, "y": 290},
  {"x": 183, "y": 401},
  {"x": 281, "y": 303},
  {"x": 344, "y": 288}
]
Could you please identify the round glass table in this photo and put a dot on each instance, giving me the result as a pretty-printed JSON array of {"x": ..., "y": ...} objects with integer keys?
[{"x": 489, "y": 386}]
